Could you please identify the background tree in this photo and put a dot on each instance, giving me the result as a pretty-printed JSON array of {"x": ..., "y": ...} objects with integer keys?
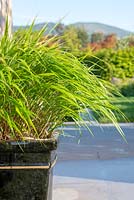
[
  {"x": 97, "y": 37},
  {"x": 71, "y": 42},
  {"x": 82, "y": 36},
  {"x": 5, "y": 13},
  {"x": 60, "y": 28},
  {"x": 110, "y": 41},
  {"x": 122, "y": 43},
  {"x": 131, "y": 41}
]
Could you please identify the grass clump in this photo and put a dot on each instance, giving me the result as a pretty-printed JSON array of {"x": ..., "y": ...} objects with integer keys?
[{"x": 41, "y": 85}]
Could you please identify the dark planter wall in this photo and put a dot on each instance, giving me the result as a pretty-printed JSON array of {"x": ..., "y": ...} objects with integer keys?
[{"x": 26, "y": 184}]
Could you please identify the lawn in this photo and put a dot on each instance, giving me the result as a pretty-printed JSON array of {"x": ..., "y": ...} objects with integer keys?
[{"x": 126, "y": 105}]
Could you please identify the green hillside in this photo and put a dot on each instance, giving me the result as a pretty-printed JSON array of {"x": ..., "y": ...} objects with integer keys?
[
  {"x": 90, "y": 27},
  {"x": 99, "y": 27}
]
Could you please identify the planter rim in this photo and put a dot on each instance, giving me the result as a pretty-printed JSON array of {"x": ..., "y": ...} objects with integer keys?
[{"x": 30, "y": 145}]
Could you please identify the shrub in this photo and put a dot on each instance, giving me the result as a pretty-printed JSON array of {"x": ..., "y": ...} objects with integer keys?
[
  {"x": 100, "y": 64},
  {"x": 127, "y": 90},
  {"x": 112, "y": 63}
]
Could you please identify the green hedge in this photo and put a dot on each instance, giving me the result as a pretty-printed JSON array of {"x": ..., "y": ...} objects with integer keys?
[
  {"x": 110, "y": 63},
  {"x": 126, "y": 106},
  {"x": 127, "y": 90},
  {"x": 100, "y": 64}
]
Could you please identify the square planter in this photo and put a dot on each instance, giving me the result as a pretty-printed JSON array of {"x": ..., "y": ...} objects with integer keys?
[{"x": 26, "y": 169}]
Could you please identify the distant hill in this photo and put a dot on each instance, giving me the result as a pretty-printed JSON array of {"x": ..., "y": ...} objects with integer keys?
[
  {"x": 90, "y": 27},
  {"x": 39, "y": 26}
]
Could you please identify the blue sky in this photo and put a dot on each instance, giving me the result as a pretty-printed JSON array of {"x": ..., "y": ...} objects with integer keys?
[{"x": 119, "y": 13}]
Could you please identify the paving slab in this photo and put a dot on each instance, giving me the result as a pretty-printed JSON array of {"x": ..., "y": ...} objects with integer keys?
[
  {"x": 68, "y": 188},
  {"x": 98, "y": 168}
]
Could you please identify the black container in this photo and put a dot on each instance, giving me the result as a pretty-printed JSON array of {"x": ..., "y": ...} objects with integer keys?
[{"x": 26, "y": 169}]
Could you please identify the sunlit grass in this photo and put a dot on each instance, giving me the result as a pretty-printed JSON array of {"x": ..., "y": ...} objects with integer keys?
[{"x": 40, "y": 86}]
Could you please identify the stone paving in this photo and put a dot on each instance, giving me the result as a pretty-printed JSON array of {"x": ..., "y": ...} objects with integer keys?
[
  {"x": 99, "y": 168},
  {"x": 67, "y": 188}
]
